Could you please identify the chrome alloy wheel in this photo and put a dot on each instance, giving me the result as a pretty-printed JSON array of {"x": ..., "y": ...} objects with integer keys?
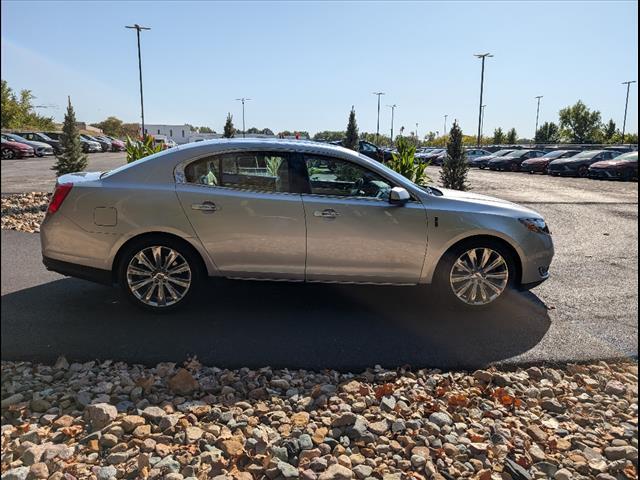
[
  {"x": 479, "y": 276},
  {"x": 159, "y": 276}
]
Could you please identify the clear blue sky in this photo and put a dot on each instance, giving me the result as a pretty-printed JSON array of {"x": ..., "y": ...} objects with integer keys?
[{"x": 304, "y": 64}]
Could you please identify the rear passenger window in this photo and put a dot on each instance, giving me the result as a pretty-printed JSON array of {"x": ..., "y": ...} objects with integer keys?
[{"x": 261, "y": 171}]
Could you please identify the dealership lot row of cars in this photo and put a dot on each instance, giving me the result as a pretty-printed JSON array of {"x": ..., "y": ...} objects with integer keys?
[
  {"x": 29, "y": 144},
  {"x": 603, "y": 164}
]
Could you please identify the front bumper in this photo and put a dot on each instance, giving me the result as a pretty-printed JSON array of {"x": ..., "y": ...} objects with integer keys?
[{"x": 534, "y": 167}]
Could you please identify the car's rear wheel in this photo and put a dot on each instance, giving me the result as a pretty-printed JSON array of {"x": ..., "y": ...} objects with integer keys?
[
  {"x": 476, "y": 274},
  {"x": 159, "y": 274}
]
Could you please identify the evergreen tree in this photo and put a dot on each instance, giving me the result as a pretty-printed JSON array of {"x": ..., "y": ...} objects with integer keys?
[
  {"x": 454, "y": 169},
  {"x": 351, "y": 138},
  {"x": 548, "y": 133},
  {"x": 229, "y": 129},
  {"x": 609, "y": 131},
  {"x": 512, "y": 136},
  {"x": 72, "y": 158},
  {"x": 498, "y": 136}
]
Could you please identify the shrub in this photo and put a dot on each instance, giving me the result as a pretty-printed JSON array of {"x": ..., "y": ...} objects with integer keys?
[
  {"x": 137, "y": 149},
  {"x": 404, "y": 162}
]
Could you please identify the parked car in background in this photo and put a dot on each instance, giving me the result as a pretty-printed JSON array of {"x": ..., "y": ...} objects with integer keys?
[
  {"x": 370, "y": 150},
  {"x": 512, "y": 161},
  {"x": 117, "y": 145},
  {"x": 165, "y": 142},
  {"x": 579, "y": 164},
  {"x": 430, "y": 155},
  {"x": 42, "y": 137},
  {"x": 541, "y": 164},
  {"x": 105, "y": 145},
  {"x": 473, "y": 153},
  {"x": 483, "y": 161},
  {"x": 88, "y": 146},
  {"x": 285, "y": 210},
  {"x": 40, "y": 148},
  {"x": 622, "y": 167},
  {"x": 11, "y": 149}
]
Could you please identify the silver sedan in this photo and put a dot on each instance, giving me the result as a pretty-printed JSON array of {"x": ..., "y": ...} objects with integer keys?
[{"x": 285, "y": 210}]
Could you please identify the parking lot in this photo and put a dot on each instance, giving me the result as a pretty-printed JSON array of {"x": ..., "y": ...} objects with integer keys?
[{"x": 588, "y": 309}]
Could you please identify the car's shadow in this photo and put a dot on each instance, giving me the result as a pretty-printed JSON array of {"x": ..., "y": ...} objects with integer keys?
[{"x": 236, "y": 323}]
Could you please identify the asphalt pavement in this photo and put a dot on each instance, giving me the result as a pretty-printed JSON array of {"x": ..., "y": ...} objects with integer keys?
[{"x": 587, "y": 310}]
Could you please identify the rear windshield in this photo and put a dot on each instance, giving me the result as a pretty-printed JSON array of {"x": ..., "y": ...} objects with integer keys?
[{"x": 137, "y": 162}]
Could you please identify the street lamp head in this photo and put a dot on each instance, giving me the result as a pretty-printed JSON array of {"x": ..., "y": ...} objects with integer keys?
[
  {"x": 378, "y": 93},
  {"x": 629, "y": 82},
  {"x": 482, "y": 55}
]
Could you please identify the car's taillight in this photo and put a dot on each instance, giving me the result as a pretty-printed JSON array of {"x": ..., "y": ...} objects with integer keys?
[{"x": 61, "y": 192}]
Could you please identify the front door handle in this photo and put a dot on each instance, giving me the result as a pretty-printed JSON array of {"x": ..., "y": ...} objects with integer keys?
[
  {"x": 204, "y": 206},
  {"x": 326, "y": 213}
]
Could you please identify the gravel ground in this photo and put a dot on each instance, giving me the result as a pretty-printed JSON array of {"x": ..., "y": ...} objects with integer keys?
[
  {"x": 113, "y": 420},
  {"x": 24, "y": 211}
]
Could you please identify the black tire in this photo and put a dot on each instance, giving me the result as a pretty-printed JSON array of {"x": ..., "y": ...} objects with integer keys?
[
  {"x": 188, "y": 254},
  {"x": 583, "y": 171},
  {"x": 442, "y": 283},
  {"x": 8, "y": 154},
  {"x": 515, "y": 167}
]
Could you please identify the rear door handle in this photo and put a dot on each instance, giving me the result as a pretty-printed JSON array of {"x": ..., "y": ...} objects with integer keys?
[
  {"x": 204, "y": 206},
  {"x": 326, "y": 213}
]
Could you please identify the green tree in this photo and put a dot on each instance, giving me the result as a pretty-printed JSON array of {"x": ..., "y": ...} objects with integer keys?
[
  {"x": 512, "y": 136},
  {"x": 455, "y": 167},
  {"x": 266, "y": 131},
  {"x": 578, "y": 124},
  {"x": 111, "y": 126},
  {"x": 253, "y": 130},
  {"x": 229, "y": 129},
  {"x": 547, "y": 133},
  {"x": 130, "y": 130},
  {"x": 371, "y": 137},
  {"x": 498, "y": 136},
  {"x": 329, "y": 136},
  {"x": 205, "y": 130},
  {"x": 351, "y": 137},
  {"x": 609, "y": 131},
  {"x": 18, "y": 112},
  {"x": 72, "y": 158}
]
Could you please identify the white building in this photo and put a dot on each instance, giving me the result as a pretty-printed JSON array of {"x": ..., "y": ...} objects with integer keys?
[{"x": 178, "y": 133}]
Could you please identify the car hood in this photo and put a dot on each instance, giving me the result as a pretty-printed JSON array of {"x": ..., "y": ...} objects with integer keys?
[
  {"x": 537, "y": 160},
  {"x": 484, "y": 157},
  {"x": 492, "y": 203},
  {"x": 611, "y": 163},
  {"x": 17, "y": 145},
  {"x": 37, "y": 144},
  {"x": 568, "y": 161}
]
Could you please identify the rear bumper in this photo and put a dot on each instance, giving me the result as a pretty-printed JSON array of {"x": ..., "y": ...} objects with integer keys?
[{"x": 78, "y": 271}]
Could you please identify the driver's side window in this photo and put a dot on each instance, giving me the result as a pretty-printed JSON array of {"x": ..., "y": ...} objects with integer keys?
[{"x": 335, "y": 177}]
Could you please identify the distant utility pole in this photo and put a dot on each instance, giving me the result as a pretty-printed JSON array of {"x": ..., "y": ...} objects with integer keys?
[
  {"x": 417, "y": 136},
  {"x": 482, "y": 122},
  {"x": 137, "y": 29},
  {"x": 378, "y": 126},
  {"x": 482, "y": 56},
  {"x": 626, "y": 104},
  {"x": 445, "y": 123},
  {"x": 243, "y": 99},
  {"x": 537, "y": 116},
  {"x": 393, "y": 108}
]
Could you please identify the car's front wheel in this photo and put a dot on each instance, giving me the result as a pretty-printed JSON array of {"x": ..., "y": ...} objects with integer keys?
[
  {"x": 583, "y": 171},
  {"x": 8, "y": 153},
  {"x": 159, "y": 274},
  {"x": 476, "y": 274}
]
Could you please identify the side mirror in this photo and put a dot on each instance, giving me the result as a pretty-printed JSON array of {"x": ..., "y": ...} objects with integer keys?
[{"x": 398, "y": 196}]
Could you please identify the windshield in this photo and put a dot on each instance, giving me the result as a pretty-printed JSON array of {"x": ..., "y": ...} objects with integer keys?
[
  {"x": 631, "y": 157},
  {"x": 43, "y": 136},
  {"x": 516, "y": 153},
  {"x": 587, "y": 154},
  {"x": 501, "y": 153},
  {"x": 16, "y": 138},
  {"x": 556, "y": 154}
]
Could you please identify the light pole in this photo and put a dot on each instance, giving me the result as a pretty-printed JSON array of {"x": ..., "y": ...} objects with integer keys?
[
  {"x": 445, "y": 123},
  {"x": 537, "y": 116},
  {"x": 417, "y": 136},
  {"x": 393, "y": 109},
  {"x": 243, "y": 100},
  {"x": 482, "y": 122},
  {"x": 137, "y": 29},
  {"x": 378, "y": 125},
  {"x": 626, "y": 104},
  {"x": 482, "y": 56}
]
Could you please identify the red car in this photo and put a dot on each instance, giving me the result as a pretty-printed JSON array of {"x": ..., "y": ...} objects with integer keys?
[
  {"x": 15, "y": 150},
  {"x": 623, "y": 167}
]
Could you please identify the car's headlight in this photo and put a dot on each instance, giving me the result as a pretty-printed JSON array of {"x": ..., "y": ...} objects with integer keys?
[{"x": 537, "y": 225}]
